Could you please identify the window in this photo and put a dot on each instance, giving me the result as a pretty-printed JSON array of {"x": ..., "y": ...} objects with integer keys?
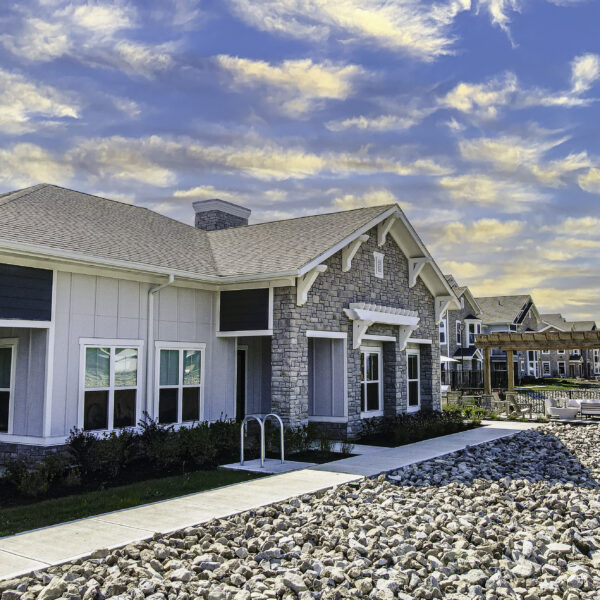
[
  {"x": 473, "y": 328},
  {"x": 371, "y": 384},
  {"x": 545, "y": 351},
  {"x": 512, "y": 327},
  {"x": 414, "y": 383},
  {"x": 458, "y": 333},
  {"x": 443, "y": 331},
  {"x": 546, "y": 369},
  {"x": 560, "y": 351},
  {"x": 562, "y": 371},
  {"x": 110, "y": 385},
  {"x": 378, "y": 264},
  {"x": 8, "y": 354},
  {"x": 179, "y": 371}
]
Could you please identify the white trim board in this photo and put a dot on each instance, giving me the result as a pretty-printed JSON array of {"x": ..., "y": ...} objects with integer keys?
[
  {"x": 249, "y": 333},
  {"x": 313, "y": 333},
  {"x": 379, "y": 338},
  {"x": 23, "y": 324},
  {"x": 422, "y": 341}
]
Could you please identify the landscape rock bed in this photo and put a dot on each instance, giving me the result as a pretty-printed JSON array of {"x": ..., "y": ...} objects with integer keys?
[{"x": 516, "y": 518}]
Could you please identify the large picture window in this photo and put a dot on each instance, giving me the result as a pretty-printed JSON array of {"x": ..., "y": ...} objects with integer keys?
[
  {"x": 180, "y": 382},
  {"x": 371, "y": 381},
  {"x": 414, "y": 380},
  {"x": 110, "y": 386},
  {"x": 8, "y": 349}
]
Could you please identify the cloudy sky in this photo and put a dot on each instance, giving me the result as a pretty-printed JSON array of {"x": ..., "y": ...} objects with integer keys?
[{"x": 480, "y": 117}]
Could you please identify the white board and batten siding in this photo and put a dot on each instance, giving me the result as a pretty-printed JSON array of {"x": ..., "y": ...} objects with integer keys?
[{"x": 90, "y": 306}]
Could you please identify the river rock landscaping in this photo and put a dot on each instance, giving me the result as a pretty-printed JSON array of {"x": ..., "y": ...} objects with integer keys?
[{"x": 516, "y": 518}]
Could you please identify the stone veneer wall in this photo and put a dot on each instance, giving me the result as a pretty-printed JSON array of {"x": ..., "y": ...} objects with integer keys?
[
  {"x": 10, "y": 452},
  {"x": 211, "y": 220},
  {"x": 333, "y": 291}
]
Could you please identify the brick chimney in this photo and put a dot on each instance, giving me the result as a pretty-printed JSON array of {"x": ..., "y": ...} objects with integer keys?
[{"x": 219, "y": 214}]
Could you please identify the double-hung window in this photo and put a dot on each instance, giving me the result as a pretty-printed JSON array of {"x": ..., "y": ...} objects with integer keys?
[
  {"x": 111, "y": 380},
  {"x": 371, "y": 381},
  {"x": 414, "y": 379},
  {"x": 443, "y": 331},
  {"x": 473, "y": 329},
  {"x": 180, "y": 380},
  {"x": 8, "y": 354},
  {"x": 458, "y": 333}
]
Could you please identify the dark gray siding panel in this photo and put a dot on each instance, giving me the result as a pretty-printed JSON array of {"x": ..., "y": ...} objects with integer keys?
[
  {"x": 25, "y": 293},
  {"x": 244, "y": 310}
]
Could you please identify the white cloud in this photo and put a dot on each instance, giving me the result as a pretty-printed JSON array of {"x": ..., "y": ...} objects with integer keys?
[
  {"x": 409, "y": 118},
  {"x": 590, "y": 181},
  {"x": 411, "y": 26},
  {"x": 464, "y": 269},
  {"x": 513, "y": 154},
  {"x": 585, "y": 71},
  {"x": 26, "y": 106},
  {"x": 294, "y": 85},
  {"x": 90, "y": 33},
  {"x": 497, "y": 193},
  {"x": 204, "y": 192},
  {"x": 374, "y": 197},
  {"x": 482, "y": 231},
  {"x": 27, "y": 164},
  {"x": 498, "y": 11}
]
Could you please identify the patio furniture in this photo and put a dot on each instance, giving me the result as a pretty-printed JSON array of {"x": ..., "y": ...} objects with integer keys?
[
  {"x": 561, "y": 412},
  {"x": 519, "y": 404},
  {"x": 498, "y": 406},
  {"x": 590, "y": 409}
]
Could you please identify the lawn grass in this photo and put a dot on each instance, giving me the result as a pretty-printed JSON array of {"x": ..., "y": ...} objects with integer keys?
[{"x": 68, "y": 508}]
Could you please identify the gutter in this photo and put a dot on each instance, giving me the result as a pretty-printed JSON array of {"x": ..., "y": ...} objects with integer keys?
[{"x": 150, "y": 339}]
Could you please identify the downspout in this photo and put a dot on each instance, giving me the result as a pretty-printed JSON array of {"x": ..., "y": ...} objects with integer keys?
[{"x": 150, "y": 349}]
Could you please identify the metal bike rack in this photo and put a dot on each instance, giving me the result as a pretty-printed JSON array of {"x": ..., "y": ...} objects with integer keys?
[
  {"x": 261, "y": 422},
  {"x": 280, "y": 432}
]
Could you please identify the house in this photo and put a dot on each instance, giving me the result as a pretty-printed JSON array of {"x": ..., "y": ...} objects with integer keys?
[
  {"x": 568, "y": 362},
  {"x": 516, "y": 313},
  {"x": 109, "y": 311},
  {"x": 457, "y": 341}
]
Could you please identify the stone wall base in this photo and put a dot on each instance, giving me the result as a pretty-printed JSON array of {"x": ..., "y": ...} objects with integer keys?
[{"x": 9, "y": 452}]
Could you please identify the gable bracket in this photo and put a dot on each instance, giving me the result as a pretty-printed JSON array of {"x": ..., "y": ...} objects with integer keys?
[
  {"x": 441, "y": 306},
  {"x": 415, "y": 266},
  {"x": 384, "y": 228},
  {"x": 359, "y": 329},
  {"x": 350, "y": 250},
  {"x": 404, "y": 335},
  {"x": 305, "y": 282}
]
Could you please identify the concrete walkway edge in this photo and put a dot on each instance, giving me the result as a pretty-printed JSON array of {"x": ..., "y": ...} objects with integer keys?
[{"x": 57, "y": 544}]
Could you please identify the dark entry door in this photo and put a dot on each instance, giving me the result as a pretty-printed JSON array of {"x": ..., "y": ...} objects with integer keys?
[{"x": 241, "y": 384}]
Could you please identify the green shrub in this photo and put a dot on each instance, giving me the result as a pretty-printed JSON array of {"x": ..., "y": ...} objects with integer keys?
[{"x": 35, "y": 479}]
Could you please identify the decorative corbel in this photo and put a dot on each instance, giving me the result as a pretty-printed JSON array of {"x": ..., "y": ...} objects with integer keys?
[
  {"x": 305, "y": 282},
  {"x": 441, "y": 306},
  {"x": 384, "y": 228},
  {"x": 404, "y": 335},
  {"x": 415, "y": 266},
  {"x": 359, "y": 329},
  {"x": 350, "y": 250}
]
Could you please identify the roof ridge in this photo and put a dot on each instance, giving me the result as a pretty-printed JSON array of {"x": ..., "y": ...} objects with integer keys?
[
  {"x": 16, "y": 194},
  {"x": 334, "y": 212}
]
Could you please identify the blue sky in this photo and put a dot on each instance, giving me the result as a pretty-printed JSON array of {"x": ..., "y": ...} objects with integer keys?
[{"x": 481, "y": 118}]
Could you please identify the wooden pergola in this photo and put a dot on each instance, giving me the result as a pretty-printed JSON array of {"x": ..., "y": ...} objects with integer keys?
[{"x": 513, "y": 342}]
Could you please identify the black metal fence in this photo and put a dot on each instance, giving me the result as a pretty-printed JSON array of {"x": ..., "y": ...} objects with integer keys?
[
  {"x": 461, "y": 380},
  {"x": 537, "y": 398}
]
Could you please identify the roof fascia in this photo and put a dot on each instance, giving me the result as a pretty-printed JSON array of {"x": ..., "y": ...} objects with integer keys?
[{"x": 343, "y": 243}]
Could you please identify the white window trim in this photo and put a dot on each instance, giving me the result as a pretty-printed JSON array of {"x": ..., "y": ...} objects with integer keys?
[
  {"x": 161, "y": 345},
  {"x": 444, "y": 327},
  {"x": 564, "y": 369},
  {"x": 545, "y": 351},
  {"x": 560, "y": 351},
  {"x": 238, "y": 348},
  {"x": 109, "y": 343},
  {"x": 13, "y": 344},
  {"x": 333, "y": 335},
  {"x": 466, "y": 337},
  {"x": 544, "y": 363},
  {"x": 249, "y": 332},
  {"x": 368, "y": 414},
  {"x": 414, "y": 351},
  {"x": 378, "y": 262},
  {"x": 458, "y": 333}
]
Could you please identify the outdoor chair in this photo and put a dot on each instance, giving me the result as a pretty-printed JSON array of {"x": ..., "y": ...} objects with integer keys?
[
  {"x": 498, "y": 406},
  {"x": 590, "y": 409},
  {"x": 519, "y": 404}
]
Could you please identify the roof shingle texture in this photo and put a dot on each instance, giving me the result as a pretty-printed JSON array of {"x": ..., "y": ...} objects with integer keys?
[
  {"x": 501, "y": 309},
  {"x": 64, "y": 219}
]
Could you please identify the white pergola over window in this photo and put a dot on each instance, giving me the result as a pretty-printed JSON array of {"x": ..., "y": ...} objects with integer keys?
[{"x": 364, "y": 315}]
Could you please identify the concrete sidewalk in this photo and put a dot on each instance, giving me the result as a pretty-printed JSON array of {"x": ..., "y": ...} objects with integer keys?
[{"x": 56, "y": 544}]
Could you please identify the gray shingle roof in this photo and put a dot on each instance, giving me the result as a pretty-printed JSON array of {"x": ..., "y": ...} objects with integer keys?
[
  {"x": 67, "y": 220},
  {"x": 501, "y": 309},
  {"x": 284, "y": 245}
]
